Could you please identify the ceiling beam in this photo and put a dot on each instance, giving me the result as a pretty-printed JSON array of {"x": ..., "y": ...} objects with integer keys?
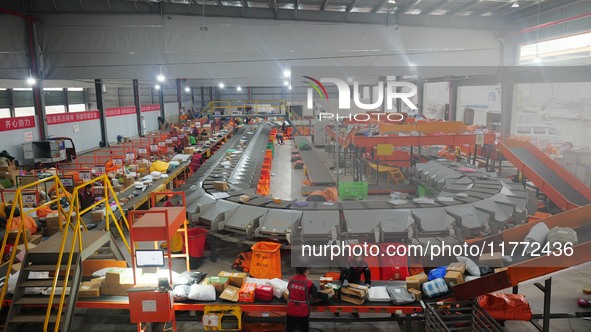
[
  {"x": 244, "y": 3},
  {"x": 493, "y": 9},
  {"x": 324, "y": 3},
  {"x": 109, "y": 6},
  {"x": 435, "y": 7},
  {"x": 402, "y": 9},
  {"x": 545, "y": 7},
  {"x": 55, "y": 6},
  {"x": 351, "y": 6},
  {"x": 463, "y": 8},
  {"x": 82, "y": 6},
  {"x": 379, "y": 6}
]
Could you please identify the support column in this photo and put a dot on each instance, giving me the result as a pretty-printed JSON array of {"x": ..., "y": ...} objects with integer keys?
[
  {"x": 420, "y": 95},
  {"x": 202, "y": 97},
  {"x": 10, "y": 96},
  {"x": 38, "y": 99},
  {"x": 398, "y": 100},
  {"x": 193, "y": 98},
  {"x": 98, "y": 88},
  {"x": 66, "y": 100},
  {"x": 138, "y": 106},
  {"x": 453, "y": 100},
  {"x": 161, "y": 101},
  {"x": 507, "y": 91},
  {"x": 179, "y": 97},
  {"x": 210, "y": 94}
]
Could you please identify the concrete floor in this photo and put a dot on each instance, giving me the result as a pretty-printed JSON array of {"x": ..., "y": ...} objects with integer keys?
[{"x": 285, "y": 184}]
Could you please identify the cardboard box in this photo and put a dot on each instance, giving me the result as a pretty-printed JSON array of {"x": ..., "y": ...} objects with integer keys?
[
  {"x": 115, "y": 289},
  {"x": 416, "y": 293},
  {"x": 454, "y": 278},
  {"x": 12, "y": 236},
  {"x": 493, "y": 260},
  {"x": 128, "y": 182},
  {"x": 501, "y": 269},
  {"x": 89, "y": 289},
  {"x": 35, "y": 239},
  {"x": 244, "y": 198},
  {"x": 220, "y": 185},
  {"x": 53, "y": 219},
  {"x": 99, "y": 191},
  {"x": 587, "y": 291},
  {"x": 324, "y": 281},
  {"x": 355, "y": 294},
  {"x": 97, "y": 216},
  {"x": 118, "y": 188},
  {"x": 230, "y": 293},
  {"x": 324, "y": 291},
  {"x": 115, "y": 276},
  {"x": 246, "y": 293},
  {"x": 235, "y": 278},
  {"x": 286, "y": 295},
  {"x": 49, "y": 231},
  {"x": 458, "y": 266},
  {"x": 10, "y": 167},
  {"x": 219, "y": 283},
  {"x": 416, "y": 281}
]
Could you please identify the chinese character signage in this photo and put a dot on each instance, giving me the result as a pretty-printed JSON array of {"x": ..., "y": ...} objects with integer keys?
[
  {"x": 72, "y": 117},
  {"x": 150, "y": 108},
  {"x": 120, "y": 111},
  {"x": 22, "y": 122}
]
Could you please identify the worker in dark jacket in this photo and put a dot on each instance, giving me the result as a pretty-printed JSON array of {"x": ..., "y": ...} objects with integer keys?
[
  {"x": 352, "y": 273},
  {"x": 298, "y": 307}
]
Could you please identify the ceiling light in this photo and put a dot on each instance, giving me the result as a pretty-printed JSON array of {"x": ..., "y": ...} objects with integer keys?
[
  {"x": 31, "y": 80},
  {"x": 187, "y": 89},
  {"x": 239, "y": 88},
  {"x": 537, "y": 60},
  {"x": 286, "y": 83},
  {"x": 286, "y": 73},
  {"x": 412, "y": 64},
  {"x": 160, "y": 78},
  {"x": 221, "y": 85},
  {"x": 157, "y": 86},
  {"x": 392, "y": 2},
  {"x": 290, "y": 87},
  {"x": 515, "y": 5}
]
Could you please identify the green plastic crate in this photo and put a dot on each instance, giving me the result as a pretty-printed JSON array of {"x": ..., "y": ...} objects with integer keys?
[
  {"x": 271, "y": 146},
  {"x": 352, "y": 190}
]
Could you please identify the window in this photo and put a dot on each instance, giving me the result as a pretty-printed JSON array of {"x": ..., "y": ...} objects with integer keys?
[
  {"x": 4, "y": 112},
  {"x": 75, "y": 89},
  {"x": 553, "y": 131},
  {"x": 523, "y": 130},
  {"x": 558, "y": 49},
  {"x": 53, "y": 89},
  {"x": 55, "y": 109},
  {"x": 76, "y": 108},
  {"x": 24, "y": 111},
  {"x": 539, "y": 130}
]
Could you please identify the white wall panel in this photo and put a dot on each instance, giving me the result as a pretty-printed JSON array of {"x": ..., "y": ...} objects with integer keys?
[
  {"x": 12, "y": 141},
  {"x": 124, "y": 125},
  {"x": 151, "y": 120}
]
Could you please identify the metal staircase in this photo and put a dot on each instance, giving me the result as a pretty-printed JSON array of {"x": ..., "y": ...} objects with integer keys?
[
  {"x": 61, "y": 256},
  {"x": 23, "y": 318}
]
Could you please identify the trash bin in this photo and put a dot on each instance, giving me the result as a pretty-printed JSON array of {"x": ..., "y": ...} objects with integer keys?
[
  {"x": 266, "y": 260},
  {"x": 196, "y": 237}
]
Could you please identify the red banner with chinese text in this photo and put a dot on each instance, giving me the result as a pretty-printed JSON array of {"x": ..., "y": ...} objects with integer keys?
[
  {"x": 72, "y": 117},
  {"x": 22, "y": 122}
]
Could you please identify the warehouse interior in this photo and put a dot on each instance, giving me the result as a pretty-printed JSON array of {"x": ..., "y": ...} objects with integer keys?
[{"x": 189, "y": 165}]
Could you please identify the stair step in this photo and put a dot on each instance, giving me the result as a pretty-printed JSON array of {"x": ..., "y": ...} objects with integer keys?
[
  {"x": 34, "y": 319},
  {"x": 50, "y": 268},
  {"x": 37, "y": 300},
  {"x": 40, "y": 283}
]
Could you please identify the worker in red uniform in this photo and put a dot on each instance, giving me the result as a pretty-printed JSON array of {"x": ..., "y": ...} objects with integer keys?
[
  {"x": 298, "y": 307},
  {"x": 355, "y": 268}
]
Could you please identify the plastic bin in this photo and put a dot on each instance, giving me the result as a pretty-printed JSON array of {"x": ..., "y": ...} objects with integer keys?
[
  {"x": 266, "y": 260},
  {"x": 196, "y": 237},
  {"x": 352, "y": 190}
]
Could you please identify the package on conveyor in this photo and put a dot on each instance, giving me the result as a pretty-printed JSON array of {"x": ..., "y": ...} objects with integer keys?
[
  {"x": 247, "y": 292},
  {"x": 354, "y": 293},
  {"x": 263, "y": 293},
  {"x": 327, "y": 291},
  {"x": 454, "y": 274},
  {"x": 219, "y": 283},
  {"x": 90, "y": 289},
  {"x": 117, "y": 281},
  {"x": 235, "y": 279},
  {"x": 324, "y": 281},
  {"x": 220, "y": 185},
  {"x": 435, "y": 288},
  {"x": 231, "y": 294},
  {"x": 416, "y": 293},
  {"x": 416, "y": 281},
  {"x": 493, "y": 260},
  {"x": 279, "y": 287}
]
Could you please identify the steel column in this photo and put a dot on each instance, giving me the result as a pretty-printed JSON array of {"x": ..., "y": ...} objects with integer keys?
[
  {"x": 98, "y": 87},
  {"x": 138, "y": 107}
]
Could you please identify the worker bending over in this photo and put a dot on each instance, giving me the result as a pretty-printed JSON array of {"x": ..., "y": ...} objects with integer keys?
[
  {"x": 353, "y": 271},
  {"x": 298, "y": 307}
]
